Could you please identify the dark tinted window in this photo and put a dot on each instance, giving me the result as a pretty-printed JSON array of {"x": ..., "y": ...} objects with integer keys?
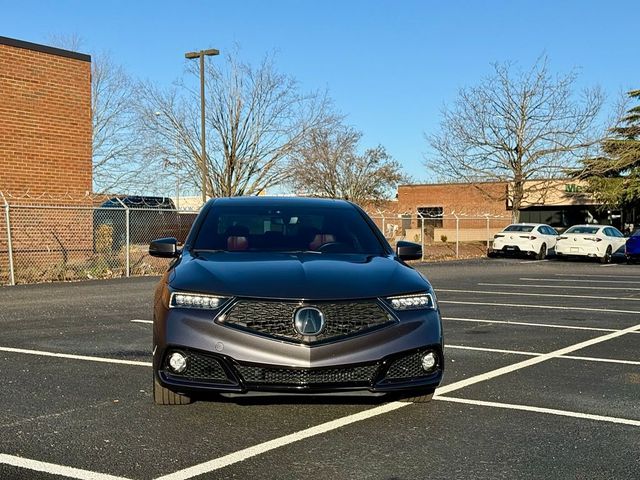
[
  {"x": 585, "y": 230},
  {"x": 287, "y": 228},
  {"x": 519, "y": 228},
  {"x": 615, "y": 232}
]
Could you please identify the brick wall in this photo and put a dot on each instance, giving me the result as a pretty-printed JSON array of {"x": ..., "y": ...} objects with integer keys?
[
  {"x": 461, "y": 198},
  {"x": 45, "y": 121}
]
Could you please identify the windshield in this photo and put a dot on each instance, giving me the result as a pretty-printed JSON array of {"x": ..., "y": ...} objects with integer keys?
[
  {"x": 286, "y": 229},
  {"x": 519, "y": 228},
  {"x": 587, "y": 230}
]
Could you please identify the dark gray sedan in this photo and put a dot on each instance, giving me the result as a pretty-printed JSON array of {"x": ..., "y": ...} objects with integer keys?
[{"x": 294, "y": 296}]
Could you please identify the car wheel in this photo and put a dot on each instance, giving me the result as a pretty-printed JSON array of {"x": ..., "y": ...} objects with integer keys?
[
  {"x": 607, "y": 256},
  {"x": 542, "y": 254},
  {"x": 164, "y": 396}
]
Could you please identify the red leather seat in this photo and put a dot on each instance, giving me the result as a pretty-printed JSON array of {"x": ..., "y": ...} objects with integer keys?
[
  {"x": 320, "y": 239},
  {"x": 237, "y": 244},
  {"x": 237, "y": 238}
]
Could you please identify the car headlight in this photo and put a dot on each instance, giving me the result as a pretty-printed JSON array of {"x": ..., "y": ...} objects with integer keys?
[
  {"x": 195, "y": 300},
  {"x": 419, "y": 301}
]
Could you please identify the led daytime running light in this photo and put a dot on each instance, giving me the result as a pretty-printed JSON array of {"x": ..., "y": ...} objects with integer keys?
[
  {"x": 194, "y": 300},
  {"x": 412, "y": 302}
]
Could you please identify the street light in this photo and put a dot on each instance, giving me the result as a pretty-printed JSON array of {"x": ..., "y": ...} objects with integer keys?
[{"x": 203, "y": 159}]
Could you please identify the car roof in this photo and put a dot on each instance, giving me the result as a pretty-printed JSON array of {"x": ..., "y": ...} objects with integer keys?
[
  {"x": 260, "y": 201},
  {"x": 526, "y": 224}
]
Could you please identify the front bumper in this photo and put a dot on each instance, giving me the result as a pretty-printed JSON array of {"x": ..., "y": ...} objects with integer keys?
[
  {"x": 232, "y": 361},
  {"x": 221, "y": 374}
]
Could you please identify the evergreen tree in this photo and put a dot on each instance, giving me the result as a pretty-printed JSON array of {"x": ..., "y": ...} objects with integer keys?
[{"x": 614, "y": 176}]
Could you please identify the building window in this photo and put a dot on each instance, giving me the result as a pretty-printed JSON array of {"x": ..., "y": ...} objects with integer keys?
[{"x": 432, "y": 216}]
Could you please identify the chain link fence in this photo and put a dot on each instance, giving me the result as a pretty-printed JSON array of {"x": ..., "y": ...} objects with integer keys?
[
  {"x": 443, "y": 237},
  {"x": 65, "y": 243},
  {"x": 44, "y": 243}
]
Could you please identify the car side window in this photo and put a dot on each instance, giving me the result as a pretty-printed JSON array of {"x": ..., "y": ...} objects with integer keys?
[{"x": 616, "y": 233}]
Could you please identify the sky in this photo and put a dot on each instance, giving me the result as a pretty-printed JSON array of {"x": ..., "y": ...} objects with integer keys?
[{"x": 390, "y": 66}]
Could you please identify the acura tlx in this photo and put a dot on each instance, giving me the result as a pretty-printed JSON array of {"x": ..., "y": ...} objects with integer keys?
[{"x": 292, "y": 296}]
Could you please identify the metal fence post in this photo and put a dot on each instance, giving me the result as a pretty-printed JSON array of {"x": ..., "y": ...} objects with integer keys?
[
  {"x": 127, "y": 238},
  {"x": 488, "y": 233},
  {"x": 421, "y": 234},
  {"x": 12, "y": 278},
  {"x": 457, "y": 236}
]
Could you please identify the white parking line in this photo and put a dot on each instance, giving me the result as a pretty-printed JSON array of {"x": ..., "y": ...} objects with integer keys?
[
  {"x": 535, "y": 354},
  {"x": 533, "y": 361},
  {"x": 75, "y": 357},
  {"x": 261, "y": 448},
  {"x": 534, "y": 261},
  {"x": 550, "y": 411},
  {"x": 533, "y": 324},
  {"x": 547, "y": 307},
  {"x": 624, "y": 282},
  {"x": 135, "y": 320},
  {"x": 572, "y": 287},
  {"x": 594, "y": 275},
  {"x": 249, "y": 452},
  {"x": 54, "y": 469},
  {"x": 604, "y": 360},
  {"x": 530, "y": 294}
]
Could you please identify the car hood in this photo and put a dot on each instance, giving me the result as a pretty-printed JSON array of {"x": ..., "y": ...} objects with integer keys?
[{"x": 295, "y": 276}]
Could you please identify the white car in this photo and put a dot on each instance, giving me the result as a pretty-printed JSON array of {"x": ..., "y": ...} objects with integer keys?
[
  {"x": 597, "y": 241},
  {"x": 528, "y": 238}
]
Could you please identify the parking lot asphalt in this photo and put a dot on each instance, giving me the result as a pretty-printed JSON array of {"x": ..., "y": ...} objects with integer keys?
[{"x": 542, "y": 380}]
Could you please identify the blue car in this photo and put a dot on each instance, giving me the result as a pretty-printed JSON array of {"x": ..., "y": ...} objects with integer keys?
[{"x": 632, "y": 247}]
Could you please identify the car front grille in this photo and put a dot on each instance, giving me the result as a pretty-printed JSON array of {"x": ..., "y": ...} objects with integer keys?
[
  {"x": 275, "y": 318},
  {"x": 199, "y": 367},
  {"x": 305, "y": 376}
]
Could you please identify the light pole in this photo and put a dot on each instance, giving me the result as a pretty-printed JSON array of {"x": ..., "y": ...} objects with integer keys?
[{"x": 203, "y": 156}]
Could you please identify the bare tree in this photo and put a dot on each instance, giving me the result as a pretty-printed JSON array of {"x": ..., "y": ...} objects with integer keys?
[
  {"x": 514, "y": 127},
  {"x": 255, "y": 119},
  {"x": 117, "y": 161},
  {"x": 328, "y": 164}
]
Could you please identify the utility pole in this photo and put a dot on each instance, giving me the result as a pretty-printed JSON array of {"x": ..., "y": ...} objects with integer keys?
[{"x": 203, "y": 156}]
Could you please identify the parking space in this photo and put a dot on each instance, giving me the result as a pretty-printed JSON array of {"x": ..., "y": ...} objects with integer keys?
[{"x": 542, "y": 380}]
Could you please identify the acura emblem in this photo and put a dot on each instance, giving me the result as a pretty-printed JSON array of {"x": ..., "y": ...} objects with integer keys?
[{"x": 308, "y": 321}]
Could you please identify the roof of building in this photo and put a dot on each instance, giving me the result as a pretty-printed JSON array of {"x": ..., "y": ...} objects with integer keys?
[{"x": 12, "y": 42}]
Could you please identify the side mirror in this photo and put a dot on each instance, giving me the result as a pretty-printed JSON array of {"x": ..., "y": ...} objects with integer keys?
[
  {"x": 164, "y": 248},
  {"x": 408, "y": 250}
]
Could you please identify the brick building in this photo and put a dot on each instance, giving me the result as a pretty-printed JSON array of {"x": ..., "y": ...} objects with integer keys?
[
  {"x": 45, "y": 160},
  {"x": 45, "y": 121},
  {"x": 559, "y": 203}
]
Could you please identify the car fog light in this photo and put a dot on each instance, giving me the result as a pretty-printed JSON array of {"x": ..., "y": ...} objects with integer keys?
[
  {"x": 429, "y": 361},
  {"x": 178, "y": 362}
]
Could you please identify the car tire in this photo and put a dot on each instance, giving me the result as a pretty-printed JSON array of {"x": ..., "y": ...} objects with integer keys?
[
  {"x": 607, "y": 256},
  {"x": 542, "y": 254},
  {"x": 164, "y": 396}
]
